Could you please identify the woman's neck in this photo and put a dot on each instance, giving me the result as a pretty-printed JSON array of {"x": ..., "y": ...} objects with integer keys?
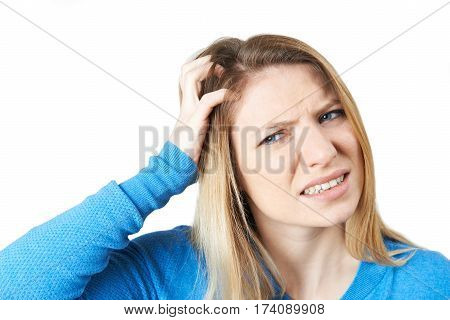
[{"x": 314, "y": 262}]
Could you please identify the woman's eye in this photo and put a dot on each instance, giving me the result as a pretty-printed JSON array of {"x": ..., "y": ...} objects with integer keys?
[
  {"x": 338, "y": 112},
  {"x": 271, "y": 139},
  {"x": 327, "y": 116}
]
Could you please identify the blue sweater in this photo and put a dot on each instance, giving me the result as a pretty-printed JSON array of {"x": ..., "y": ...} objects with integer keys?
[{"x": 85, "y": 253}]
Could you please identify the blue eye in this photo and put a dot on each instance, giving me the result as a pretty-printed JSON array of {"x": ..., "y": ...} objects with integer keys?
[
  {"x": 269, "y": 139},
  {"x": 339, "y": 112}
]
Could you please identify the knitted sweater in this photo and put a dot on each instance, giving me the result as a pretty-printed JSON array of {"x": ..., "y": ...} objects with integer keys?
[{"x": 85, "y": 253}]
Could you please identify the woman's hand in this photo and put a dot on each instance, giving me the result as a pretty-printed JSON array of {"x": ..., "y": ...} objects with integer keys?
[{"x": 192, "y": 124}]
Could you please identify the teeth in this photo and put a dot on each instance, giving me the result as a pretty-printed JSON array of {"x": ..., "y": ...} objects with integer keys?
[
  {"x": 326, "y": 186},
  {"x": 333, "y": 183},
  {"x": 319, "y": 188}
]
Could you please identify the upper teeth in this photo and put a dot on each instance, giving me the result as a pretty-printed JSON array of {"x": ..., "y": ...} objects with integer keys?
[{"x": 319, "y": 188}]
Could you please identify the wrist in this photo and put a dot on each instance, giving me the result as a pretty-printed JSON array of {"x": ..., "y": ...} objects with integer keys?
[{"x": 182, "y": 137}]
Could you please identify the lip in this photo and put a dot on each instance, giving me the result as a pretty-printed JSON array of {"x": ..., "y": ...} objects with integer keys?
[
  {"x": 321, "y": 180},
  {"x": 332, "y": 193}
]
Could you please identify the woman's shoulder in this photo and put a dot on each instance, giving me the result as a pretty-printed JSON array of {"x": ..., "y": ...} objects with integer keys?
[
  {"x": 171, "y": 261},
  {"x": 419, "y": 255},
  {"x": 425, "y": 271},
  {"x": 169, "y": 241}
]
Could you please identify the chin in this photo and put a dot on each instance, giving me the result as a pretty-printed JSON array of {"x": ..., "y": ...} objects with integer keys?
[{"x": 324, "y": 219}]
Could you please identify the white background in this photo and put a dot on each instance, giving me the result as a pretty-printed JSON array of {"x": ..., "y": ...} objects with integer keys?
[{"x": 67, "y": 128}]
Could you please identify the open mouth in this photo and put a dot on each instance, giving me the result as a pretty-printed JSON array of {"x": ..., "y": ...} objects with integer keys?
[{"x": 335, "y": 191}]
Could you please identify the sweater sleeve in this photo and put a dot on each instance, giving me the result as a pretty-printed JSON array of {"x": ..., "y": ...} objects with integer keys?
[{"x": 57, "y": 259}]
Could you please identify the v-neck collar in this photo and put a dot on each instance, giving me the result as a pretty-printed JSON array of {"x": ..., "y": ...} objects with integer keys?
[{"x": 367, "y": 277}]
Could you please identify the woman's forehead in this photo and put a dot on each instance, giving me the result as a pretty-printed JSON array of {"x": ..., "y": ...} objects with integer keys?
[{"x": 279, "y": 92}]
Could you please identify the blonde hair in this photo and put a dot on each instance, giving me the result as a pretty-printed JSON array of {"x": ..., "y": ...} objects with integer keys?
[{"x": 224, "y": 232}]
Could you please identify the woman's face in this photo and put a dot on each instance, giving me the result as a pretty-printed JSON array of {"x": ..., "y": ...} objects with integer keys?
[{"x": 276, "y": 164}]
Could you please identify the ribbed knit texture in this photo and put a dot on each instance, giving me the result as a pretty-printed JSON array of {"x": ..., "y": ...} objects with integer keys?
[{"x": 85, "y": 253}]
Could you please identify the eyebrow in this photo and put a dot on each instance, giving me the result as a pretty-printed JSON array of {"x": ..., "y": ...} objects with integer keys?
[{"x": 272, "y": 125}]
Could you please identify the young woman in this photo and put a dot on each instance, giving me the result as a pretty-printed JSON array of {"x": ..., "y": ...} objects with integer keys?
[{"x": 286, "y": 206}]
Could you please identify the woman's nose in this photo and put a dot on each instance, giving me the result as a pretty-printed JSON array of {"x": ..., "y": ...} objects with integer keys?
[{"x": 316, "y": 147}]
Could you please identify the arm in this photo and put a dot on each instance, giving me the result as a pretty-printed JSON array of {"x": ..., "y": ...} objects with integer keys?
[{"x": 57, "y": 259}]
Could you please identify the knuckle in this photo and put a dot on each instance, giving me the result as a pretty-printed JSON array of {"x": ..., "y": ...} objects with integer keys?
[
  {"x": 184, "y": 68},
  {"x": 206, "y": 97},
  {"x": 188, "y": 75}
]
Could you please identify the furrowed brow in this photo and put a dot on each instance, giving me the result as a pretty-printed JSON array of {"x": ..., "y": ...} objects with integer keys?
[{"x": 278, "y": 124}]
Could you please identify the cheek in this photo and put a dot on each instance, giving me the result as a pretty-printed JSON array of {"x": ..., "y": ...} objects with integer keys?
[
  {"x": 264, "y": 161},
  {"x": 267, "y": 191},
  {"x": 266, "y": 175},
  {"x": 352, "y": 149},
  {"x": 270, "y": 182},
  {"x": 348, "y": 142},
  {"x": 274, "y": 165}
]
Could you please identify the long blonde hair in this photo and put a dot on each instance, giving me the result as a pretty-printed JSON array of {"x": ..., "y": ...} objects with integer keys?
[{"x": 224, "y": 232}]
